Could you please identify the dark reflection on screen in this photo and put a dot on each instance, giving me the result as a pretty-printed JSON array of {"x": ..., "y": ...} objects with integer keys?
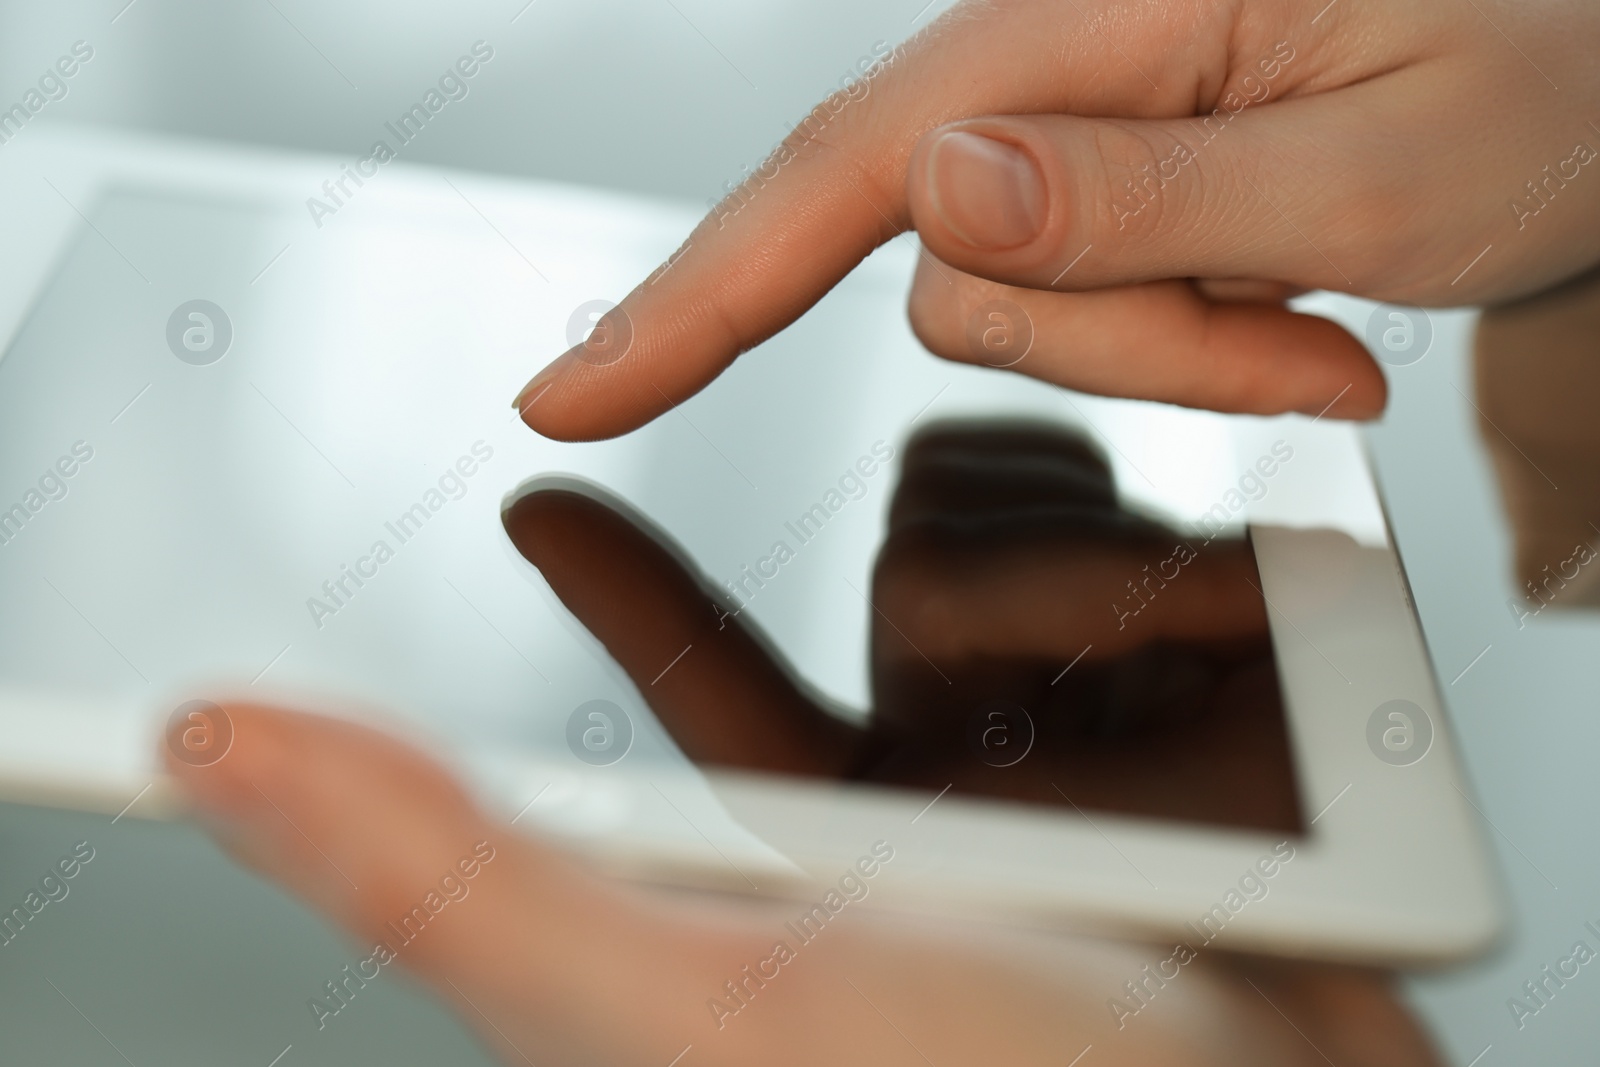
[{"x": 1031, "y": 640}]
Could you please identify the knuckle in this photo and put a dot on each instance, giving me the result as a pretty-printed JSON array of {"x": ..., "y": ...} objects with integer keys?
[
  {"x": 1146, "y": 180},
  {"x": 1356, "y": 223},
  {"x": 942, "y": 307}
]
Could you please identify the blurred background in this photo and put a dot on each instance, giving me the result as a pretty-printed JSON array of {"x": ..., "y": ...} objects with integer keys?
[
  {"x": 666, "y": 98},
  {"x": 674, "y": 99}
]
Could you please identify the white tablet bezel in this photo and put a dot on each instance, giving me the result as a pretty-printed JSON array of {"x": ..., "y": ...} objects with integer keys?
[{"x": 1392, "y": 869}]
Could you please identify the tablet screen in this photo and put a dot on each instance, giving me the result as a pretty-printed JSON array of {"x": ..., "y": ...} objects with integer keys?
[
  {"x": 1031, "y": 638},
  {"x": 845, "y": 561}
]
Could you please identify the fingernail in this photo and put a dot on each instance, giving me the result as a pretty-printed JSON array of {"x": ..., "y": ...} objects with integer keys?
[
  {"x": 542, "y": 381},
  {"x": 989, "y": 193}
]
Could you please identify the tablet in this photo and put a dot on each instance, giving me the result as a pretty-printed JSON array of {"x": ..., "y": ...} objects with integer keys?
[{"x": 855, "y": 625}]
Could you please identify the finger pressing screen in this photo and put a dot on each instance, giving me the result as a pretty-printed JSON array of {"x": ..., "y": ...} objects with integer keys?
[{"x": 836, "y": 189}]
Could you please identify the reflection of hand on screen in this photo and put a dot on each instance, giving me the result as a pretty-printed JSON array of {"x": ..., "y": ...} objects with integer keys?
[
  {"x": 1007, "y": 560},
  {"x": 1538, "y": 387}
]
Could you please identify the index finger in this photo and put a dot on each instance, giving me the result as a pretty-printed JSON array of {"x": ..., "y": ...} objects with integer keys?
[{"x": 835, "y": 189}]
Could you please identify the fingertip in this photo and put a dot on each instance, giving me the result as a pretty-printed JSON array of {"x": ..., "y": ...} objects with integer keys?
[
  {"x": 1349, "y": 384},
  {"x": 544, "y": 404},
  {"x": 1357, "y": 402},
  {"x": 581, "y": 403},
  {"x": 214, "y": 751},
  {"x": 609, "y": 340}
]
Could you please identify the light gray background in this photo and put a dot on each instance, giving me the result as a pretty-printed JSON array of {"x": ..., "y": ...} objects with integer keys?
[{"x": 160, "y": 934}]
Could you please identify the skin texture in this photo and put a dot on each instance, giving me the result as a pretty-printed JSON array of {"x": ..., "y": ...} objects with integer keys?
[{"x": 1380, "y": 156}]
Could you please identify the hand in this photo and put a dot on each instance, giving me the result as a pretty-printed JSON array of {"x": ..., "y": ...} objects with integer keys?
[
  {"x": 1147, "y": 183},
  {"x": 551, "y": 965}
]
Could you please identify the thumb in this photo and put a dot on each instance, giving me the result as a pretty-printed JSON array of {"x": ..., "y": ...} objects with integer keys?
[
  {"x": 1087, "y": 225},
  {"x": 528, "y": 946},
  {"x": 1070, "y": 203}
]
